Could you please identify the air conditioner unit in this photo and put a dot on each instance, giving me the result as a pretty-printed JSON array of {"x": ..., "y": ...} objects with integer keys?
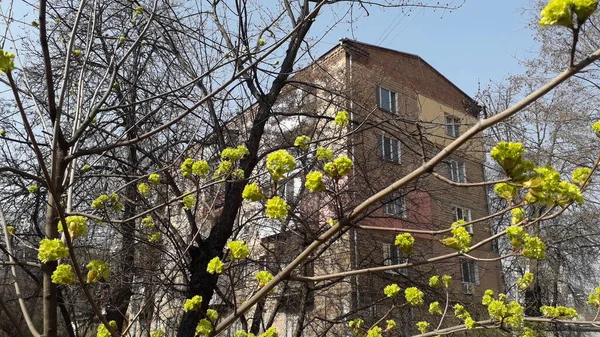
[{"x": 468, "y": 288}]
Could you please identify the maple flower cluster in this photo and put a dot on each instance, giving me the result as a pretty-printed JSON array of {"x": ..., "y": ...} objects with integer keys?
[
  {"x": 560, "y": 12},
  {"x": 239, "y": 250},
  {"x": 340, "y": 166},
  {"x": 460, "y": 239},
  {"x": 215, "y": 266},
  {"x": 77, "y": 226},
  {"x": 191, "y": 168},
  {"x": 52, "y": 250},
  {"x": 405, "y": 242},
  {"x": 276, "y": 208},
  {"x": 63, "y": 274},
  {"x": 105, "y": 200},
  {"x": 279, "y": 163},
  {"x": 302, "y": 142},
  {"x": 252, "y": 192},
  {"x": 98, "y": 270}
]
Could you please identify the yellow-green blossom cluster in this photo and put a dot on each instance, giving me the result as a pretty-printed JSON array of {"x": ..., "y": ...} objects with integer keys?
[
  {"x": 103, "y": 331},
  {"x": 144, "y": 189},
  {"x": 279, "y": 163},
  {"x": 239, "y": 250},
  {"x": 77, "y": 226},
  {"x": 340, "y": 166},
  {"x": 414, "y": 296},
  {"x": 355, "y": 325},
  {"x": 435, "y": 308},
  {"x": 341, "y": 119},
  {"x": 391, "y": 325},
  {"x": 374, "y": 332},
  {"x": 460, "y": 239},
  {"x": 107, "y": 200},
  {"x": 7, "y": 61},
  {"x": 193, "y": 304},
  {"x": 509, "y": 156},
  {"x": 157, "y": 333},
  {"x": 435, "y": 281},
  {"x": 560, "y": 12},
  {"x": 534, "y": 248},
  {"x": 511, "y": 313},
  {"x": 52, "y": 250},
  {"x": 204, "y": 328},
  {"x": 215, "y": 266},
  {"x": 525, "y": 281},
  {"x": 189, "y": 201},
  {"x": 32, "y": 189},
  {"x": 405, "y": 242},
  {"x": 302, "y": 142},
  {"x": 516, "y": 235},
  {"x": 63, "y": 274},
  {"x": 154, "y": 179},
  {"x": 98, "y": 270},
  {"x": 324, "y": 153},
  {"x": 242, "y": 333},
  {"x": 234, "y": 154},
  {"x": 392, "y": 290},
  {"x": 506, "y": 191},
  {"x": 148, "y": 222},
  {"x": 314, "y": 181},
  {"x": 596, "y": 128},
  {"x": 191, "y": 168},
  {"x": 518, "y": 215},
  {"x": 154, "y": 237},
  {"x": 225, "y": 167},
  {"x": 559, "y": 312},
  {"x": 212, "y": 315},
  {"x": 263, "y": 277},
  {"x": 276, "y": 208},
  {"x": 270, "y": 332},
  {"x": 594, "y": 298},
  {"x": 462, "y": 314},
  {"x": 252, "y": 192},
  {"x": 547, "y": 187},
  {"x": 580, "y": 175},
  {"x": 423, "y": 326}
]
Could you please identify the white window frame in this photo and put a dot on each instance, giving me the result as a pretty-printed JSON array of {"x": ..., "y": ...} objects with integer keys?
[
  {"x": 470, "y": 269},
  {"x": 462, "y": 213},
  {"x": 392, "y": 101},
  {"x": 290, "y": 189},
  {"x": 391, "y": 152},
  {"x": 392, "y": 256},
  {"x": 452, "y": 125},
  {"x": 458, "y": 171},
  {"x": 394, "y": 205}
]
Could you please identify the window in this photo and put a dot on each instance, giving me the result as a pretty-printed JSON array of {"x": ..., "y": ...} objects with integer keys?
[
  {"x": 290, "y": 189},
  {"x": 386, "y": 99},
  {"x": 470, "y": 275},
  {"x": 395, "y": 205},
  {"x": 392, "y": 256},
  {"x": 458, "y": 172},
  {"x": 388, "y": 148},
  {"x": 463, "y": 214},
  {"x": 452, "y": 126}
]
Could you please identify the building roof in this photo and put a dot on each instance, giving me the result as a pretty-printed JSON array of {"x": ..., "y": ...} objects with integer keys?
[{"x": 469, "y": 103}]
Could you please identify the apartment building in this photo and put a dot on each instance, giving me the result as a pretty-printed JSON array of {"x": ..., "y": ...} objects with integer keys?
[{"x": 403, "y": 111}]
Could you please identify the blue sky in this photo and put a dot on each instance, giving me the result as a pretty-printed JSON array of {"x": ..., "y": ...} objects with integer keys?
[{"x": 481, "y": 41}]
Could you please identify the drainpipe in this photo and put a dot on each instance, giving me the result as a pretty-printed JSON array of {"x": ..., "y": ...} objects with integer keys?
[{"x": 354, "y": 236}]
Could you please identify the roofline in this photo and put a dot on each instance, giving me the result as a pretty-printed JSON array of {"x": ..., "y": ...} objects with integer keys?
[{"x": 355, "y": 42}]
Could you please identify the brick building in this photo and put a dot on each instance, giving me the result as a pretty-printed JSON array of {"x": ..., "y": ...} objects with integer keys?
[{"x": 402, "y": 112}]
